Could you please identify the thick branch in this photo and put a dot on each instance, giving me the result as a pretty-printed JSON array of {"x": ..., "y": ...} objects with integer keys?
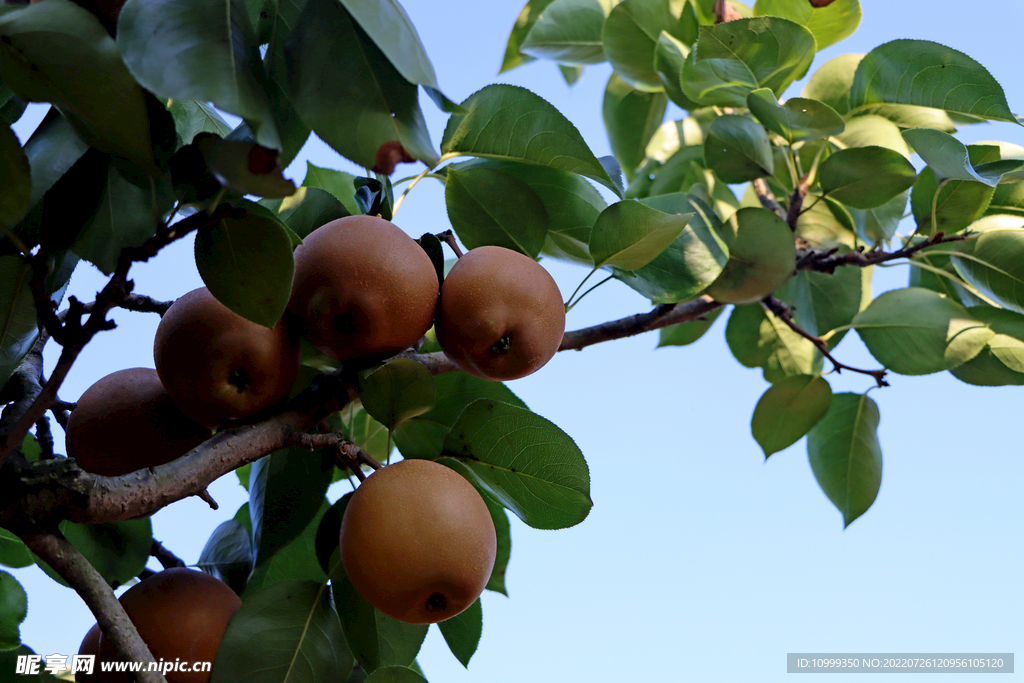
[
  {"x": 826, "y": 261},
  {"x": 785, "y": 313},
  {"x": 65, "y": 559}
]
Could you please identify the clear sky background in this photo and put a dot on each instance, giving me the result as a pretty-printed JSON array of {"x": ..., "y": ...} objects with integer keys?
[{"x": 699, "y": 561}]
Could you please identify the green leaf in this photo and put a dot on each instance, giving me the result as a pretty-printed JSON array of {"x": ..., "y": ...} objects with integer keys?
[
  {"x": 865, "y": 177},
  {"x": 690, "y": 263},
  {"x": 630, "y": 118},
  {"x": 523, "y": 461},
  {"x": 18, "y": 326},
  {"x": 13, "y": 553},
  {"x": 192, "y": 118},
  {"x": 832, "y": 81},
  {"x": 462, "y": 632},
  {"x": 732, "y": 59},
  {"x": 397, "y": 391},
  {"x": 985, "y": 370},
  {"x": 395, "y": 674},
  {"x": 825, "y": 301},
  {"x": 286, "y": 492},
  {"x": 568, "y": 32},
  {"x": 829, "y": 24},
  {"x": 631, "y": 34},
  {"x": 685, "y": 334},
  {"x": 310, "y": 208},
  {"x": 915, "y": 331},
  {"x": 502, "y": 530},
  {"x": 296, "y": 561},
  {"x": 993, "y": 261},
  {"x": 949, "y": 158},
  {"x": 245, "y": 167},
  {"x": 60, "y": 53},
  {"x": 1007, "y": 343},
  {"x": 926, "y": 74},
  {"x": 17, "y": 188},
  {"x": 118, "y": 550},
  {"x": 338, "y": 183},
  {"x": 288, "y": 631},
  {"x": 737, "y": 149},
  {"x": 52, "y": 149},
  {"x": 845, "y": 455},
  {"x": 935, "y": 271},
  {"x": 874, "y": 131},
  {"x": 348, "y": 92},
  {"x": 669, "y": 56},
  {"x": 127, "y": 216},
  {"x": 798, "y": 119},
  {"x": 543, "y": 135},
  {"x": 247, "y": 264},
  {"x": 228, "y": 555},
  {"x": 423, "y": 436},
  {"x": 762, "y": 256},
  {"x": 629, "y": 235},
  {"x": 878, "y": 225},
  {"x": 524, "y": 22},
  {"x": 788, "y": 410},
  {"x": 489, "y": 206},
  {"x": 758, "y": 339},
  {"x": 376, "y": 639},
  {"x": 366, "y": 433},
  {"x": 958, "y": 205},
  {"x": 14, "y": 609},
  {"x": 909, "y": 116}
]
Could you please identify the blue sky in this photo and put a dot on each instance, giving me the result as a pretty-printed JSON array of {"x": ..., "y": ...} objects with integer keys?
[{"x": 699, "y": 560}]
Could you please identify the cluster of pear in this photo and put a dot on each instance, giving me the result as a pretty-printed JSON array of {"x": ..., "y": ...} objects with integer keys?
[{"x": 417, "y": 540}]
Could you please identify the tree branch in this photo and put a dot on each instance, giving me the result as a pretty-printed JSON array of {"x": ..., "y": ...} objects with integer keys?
[
  {"x": 785, "y": 313},
  {"x": 71, "y": 566},
  {"x": 165, "y": 557},
  {"x": 826, "y": 261},
  {"x": 767, "y": 198}
]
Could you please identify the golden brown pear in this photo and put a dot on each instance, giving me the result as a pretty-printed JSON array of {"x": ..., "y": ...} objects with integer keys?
[
  {"x": 500, "y": 315},
  {"x": 180, "y": 614},
  {"x": 418, "y": 542},
  {"x": 362, "y": 288},
  {"x": 90, "y": 646},
  {"x": 127, "y": 422},
  {"x": 217, "y": 365}
]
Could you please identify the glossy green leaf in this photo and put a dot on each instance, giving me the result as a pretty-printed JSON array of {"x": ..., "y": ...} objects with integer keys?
[
  {"x": 915, "y": 331},
  {"x": 909, "y": 116},
  {"x": 865, "y": 177},
  {"x": 17, "y": 186},
  {"x": 798, "y": 119},
  {"x": 13, "y": 610},
  {"x": 395, "y": 674},
  {"x": 52, "y": 149},
  {"x": 630, "y": 118},
  {"x": 758, "y": 339},
  {"x": 462, "y": 632},
  {"x": 568, "y": 32},
  {"x": 685, "y": 334},
  {"x": 376, "y": 639},
  {"x": 18, "y": 326},
  {"x": 310, "y": 208},
  {"x": 788, "y": 410},
  {"x": 571, "y": 203},
  {"x": 228, "y": 554},
  {"x": 423, "y": 436},
  {"x": 289, "y": 631},
  {"x": 59, "y": 53},
  {"x": 690, "y": 263},
  {"x": 733, "y": 59},
  {"x": 489, "y": 206},
  {"x": 824, "y": 301},
  {"x": 832, "y": 81},
  {"x": 397, "y": 391},
  {"x": 167, "y": 43},
  {"x": 350, "y": 94},
  {"x": 878, "y": 225},
  {"x": 959, "y": 202},
  {"x": 274, "y": 26},
  {"x": 1007, "y": 343},
  {"x": 993, "y": 261},
  {"x": 629, "y": 235},
  {"x": 127, "y": 216},
  {"x": 524, "y": 22},
  {"x": 762, "y": 256},
  {"x": 192, "y": 118},
  {"x": 542, "y": 134},
  {"x": 245, "y": 167},
  {"x": 949, "y": 158},
  {"x": 13, "y": 553},
  {"x": 829, "y": 24},
  {"x": 926, "y": 74},
  {"x": 247, "y": 265},
  {"x": 295, "y": 561},
  {"x": 523, "y": 461},
  {"x": 631, "y": 34},
  {"x": 933, "y": 269},
  {"x": 737, "y": 149},
  {"x": 338, "y": 183},
  {"x": 874, "y": 131},
  {"x": 118, "y": 550},
  {"x": 502, "y": 530},
  {"x": 669, "y": 56},
  {"x": 985, "y": 370}
]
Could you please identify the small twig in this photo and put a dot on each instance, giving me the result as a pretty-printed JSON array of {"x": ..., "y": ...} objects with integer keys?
[
  {"x": 796, "y": 203},
  {"x": 164, "y": 556},
  {"x": 448, "y": 237},
  {"x": 45, "y": 438},
  {"x": 347, "y": 455},
  {"x": 767, "y": 197},
  {"x": 205, "y": 496},
  {"x": 725, "y": 12},
  {"x": 146, "y": 573},
  {"x": 828, "y": 261},
  {"x": 784, "y": 312}
]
